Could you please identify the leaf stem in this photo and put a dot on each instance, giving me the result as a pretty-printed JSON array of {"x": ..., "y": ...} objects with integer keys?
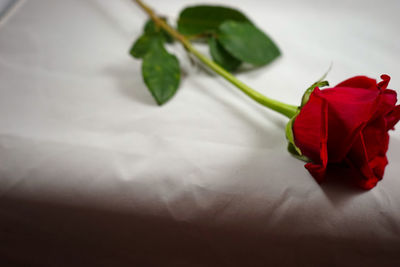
[{"x": 285, "y": 109}]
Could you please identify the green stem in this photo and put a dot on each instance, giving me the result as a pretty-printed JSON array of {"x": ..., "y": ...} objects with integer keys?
[{"x": 285, "y": 109}]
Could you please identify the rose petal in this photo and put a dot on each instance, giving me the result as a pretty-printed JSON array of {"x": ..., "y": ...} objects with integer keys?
[
  {"x": 358, "y": 159},
  {"x": 387, "y": 100},
  {"x": 316, "y": 170},
  {"x": 368, "y": 183},
  {"x": 359, "y": 82},
  {"x": 307, "y": 128},
  {"x": 349, "y": 111},
  {"x": 392, "y": 118},
  {"x": 384, "y": 83},
  {"x": 378, "y": 165},
  {"x": 376, "y": 138},
  {"x": 311, "y": 133}
]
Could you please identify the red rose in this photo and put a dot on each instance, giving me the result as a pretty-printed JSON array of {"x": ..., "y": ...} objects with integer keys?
[{"x": 348, "y": 124}]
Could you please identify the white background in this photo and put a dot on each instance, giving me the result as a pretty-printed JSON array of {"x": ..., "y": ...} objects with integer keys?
[{"x": 87, "y": 159}]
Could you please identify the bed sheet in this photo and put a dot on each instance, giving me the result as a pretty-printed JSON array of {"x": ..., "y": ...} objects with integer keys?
[{"x": 94, "y": 173}]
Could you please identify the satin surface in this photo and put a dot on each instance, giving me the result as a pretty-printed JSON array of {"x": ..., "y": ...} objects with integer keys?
[{"x": 94, "y": 173}]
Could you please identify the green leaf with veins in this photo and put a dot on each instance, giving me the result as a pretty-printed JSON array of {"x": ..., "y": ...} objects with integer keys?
[
  {"x": 247, "y": 43},
  {"x": 161, "y": 73},
  {"x": 201, "y": 19},
  {"x": 143, "y": 45},
  {"x": 221, "y": 56}
]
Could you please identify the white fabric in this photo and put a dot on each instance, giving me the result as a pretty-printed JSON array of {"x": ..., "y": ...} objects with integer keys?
[{"x": 93, "y": 172}]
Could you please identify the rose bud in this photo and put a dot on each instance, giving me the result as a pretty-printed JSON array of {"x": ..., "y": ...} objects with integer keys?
[{"x": 346, "y": 124}]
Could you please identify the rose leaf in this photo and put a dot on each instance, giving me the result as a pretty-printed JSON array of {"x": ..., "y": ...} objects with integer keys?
[
  {"x": 200, "y": 19},
  {"x": 143, "y": 45},
  {"x": 247, "y": 43},
  {"x": 221, "y": 56},
  {"x": 161, "y": 73}
]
